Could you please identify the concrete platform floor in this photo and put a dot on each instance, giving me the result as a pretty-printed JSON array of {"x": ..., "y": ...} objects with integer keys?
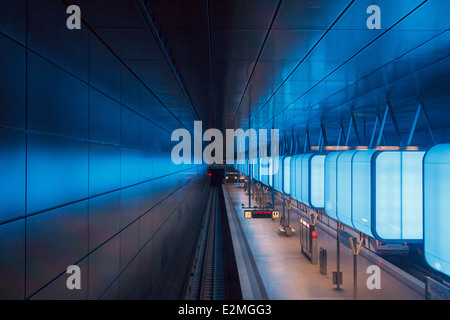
[{"x": 272, "y": 266}]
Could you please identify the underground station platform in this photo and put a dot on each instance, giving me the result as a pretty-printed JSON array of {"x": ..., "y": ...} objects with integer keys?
[{"x": 273, "y": 265}]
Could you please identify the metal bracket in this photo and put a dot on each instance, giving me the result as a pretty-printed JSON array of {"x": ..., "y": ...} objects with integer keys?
[
  {"x": 307, "y": 142},
  {"x": 291, "y": 144},
  {"x": 355, "y": 246},
  {"x": 389, "y": 110},
  {"x": 323, "y": 141},
  {"x": 421, "y": 107},
  {"x": 348, "y": 131},
  {"x": 351, "y": 124},
  {"x": 288, "y": 203},
  {"x": 312, "y": 218}
]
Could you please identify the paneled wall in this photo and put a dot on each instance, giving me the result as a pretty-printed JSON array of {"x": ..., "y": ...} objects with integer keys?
[{"x": 86, "y": 177}]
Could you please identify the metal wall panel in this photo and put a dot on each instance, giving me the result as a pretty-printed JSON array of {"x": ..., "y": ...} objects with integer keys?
[
  {"x": 104, "y": 218},
  {"x": 50, "y": 38},
  {"x": 57, "y": 172},
  {"x": 129, "y": 245},
  {"x": 129, "y": 205},
  {"x": 12, "y": 172},
  {"x": 104, "y": 69},
  {"x": 104, "y": 168},
  {"x": 12, "y": 19},
  {"x": 104, "y": 266},
  {"x": 58, "y": 287},
  {"x": 55, "y": 240},
  {"x": 12, "y": 260},
  {"x": 129, "y": 166},
  {"x": 101, "y": 127},
  {"x": 12, "y": 83},
  {"x": 61, "y": 96},
  {"x": 86, "y": 171}
]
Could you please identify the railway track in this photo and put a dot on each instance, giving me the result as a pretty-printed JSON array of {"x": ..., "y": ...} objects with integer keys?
[{"x": 214, "y": 276}]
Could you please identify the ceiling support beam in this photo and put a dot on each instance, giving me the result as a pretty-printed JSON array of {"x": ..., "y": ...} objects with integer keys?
[
  {"x": 421, "y": 107},
  {"x": 307, "y": 144},
  {"x": 323, "y": 141},
  {"x": 388, "y": 110}
]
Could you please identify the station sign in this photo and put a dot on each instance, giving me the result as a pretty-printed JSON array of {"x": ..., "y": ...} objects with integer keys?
[{"x": 261, "y": 214}]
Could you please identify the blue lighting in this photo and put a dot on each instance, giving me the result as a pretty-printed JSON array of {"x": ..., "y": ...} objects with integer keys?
[
  {"x": 278, "y": 176},
  {"x": 292, "y": 178},
  {"x": 287, "y": 175},
  {"x": 436, "y": 203},
  {"x": 344, "y": 187},
  {"x": 330, "y": 189},
  {"x": 398, "y": 189},
  {"x": 317, "y": 181},
  {"x": 297, "y": 179},
  {"x": 377, "y": 193},
  {"x": 311, "y": 179},
  {"x": 361, "y": 191},
  {"x": 303, "y": 178}
]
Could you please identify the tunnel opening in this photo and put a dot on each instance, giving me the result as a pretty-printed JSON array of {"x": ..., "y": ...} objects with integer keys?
[{"x": 216, "y": 176}]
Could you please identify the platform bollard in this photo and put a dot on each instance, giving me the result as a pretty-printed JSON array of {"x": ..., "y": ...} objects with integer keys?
[{"x": 323, "y": 261}]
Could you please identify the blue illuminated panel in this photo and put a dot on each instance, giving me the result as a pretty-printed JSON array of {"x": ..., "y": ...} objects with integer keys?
[
  {"x": 361, "y": 191},
  {"x": 377, "y": 193},
  {"x": 303, "y": 178},
  {"x": 287, "y": 175},
  {"x": 436, "y": 181},
  {"x": 310, "y": 188},
  {"x": 317, "y": 181},
  {"x": 12, "y": 173},
  {"x": 264, "y": 170},
  {"x": 271, "y": 172},
  {"x": 278, "y": 176},
  {"x": 344, "y": 187},
  {"x": 330, "y": 189},
  {"x": 297, "y": 181},
  {"x": 412, "y": 195},
  {"x": 397, "y": 211},
  {"x": 292, "y": 179}
]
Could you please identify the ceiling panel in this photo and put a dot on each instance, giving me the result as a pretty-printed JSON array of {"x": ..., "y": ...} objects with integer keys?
[
  {"x": 238, "y": 14},
  {"x": 131, "y": 44},
  {"x": 391, "y": 12},
  {"x": 289, "y": 45},
  {"x": 308, "y": 14},
  {"x": 111, "y": 14},
  {"x": 360, "y": 67},
  {"x": 176, "y": 14},
  {"x": 236, "y": 45},
  {"x": 291, "y": 63}
]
